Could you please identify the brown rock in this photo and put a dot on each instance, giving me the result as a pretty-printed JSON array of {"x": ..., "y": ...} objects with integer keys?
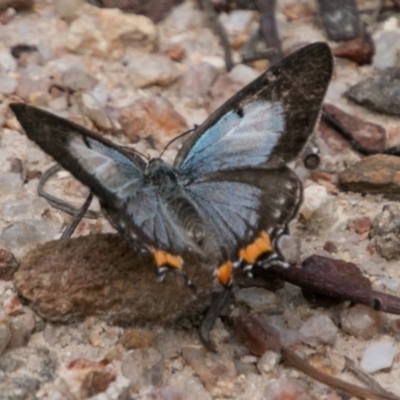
[
  {"x": 153, "y": 118},
  {"x": 385, "y": 231},
  {"x": 360, "y": 50},
  {"x": 210, "y": 368},
  {"x": 299, "y": 10},
  {"x": 362, "y": 321},
  {"x": 16, "y": 4},
  {"x": 94, "y": 377},
  {"x": 143, "y": 367},
  {"x": 197, "y": 81},
  {"x": 152, "y": 69},
  {"x": 333, "y": 143},
  {"x": 256, "y": 336},
  {"x": 115, "y": 32},
  {"x": 8, "y": 265},
  {"x": 135, "y": 338},
  {"x": 369, "y": 135},
  {"x": 28, "y": 86},
  {"x": 362, "y": 225},
  {"x": 175, "y": 52},
  {"x": 156, "y": 10},
  {"x": 99, "y": 275},
  {"x": 21, "y": 329},
  {"x": 330, "y": 247},
  {"x": 379, "y": 173}
]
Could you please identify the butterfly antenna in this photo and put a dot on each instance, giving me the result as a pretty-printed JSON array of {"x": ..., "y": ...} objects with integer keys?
[
  {"x": 176, "y": 138},
  {"x": 130, "y": 150}
]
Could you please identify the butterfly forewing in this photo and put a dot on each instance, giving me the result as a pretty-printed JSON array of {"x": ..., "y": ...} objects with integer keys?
[
  {"x": 116, "y": 177},
  {"x": 268, "y": 122}
]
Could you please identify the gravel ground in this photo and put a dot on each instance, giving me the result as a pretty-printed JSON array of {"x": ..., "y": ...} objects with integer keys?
[{"x": 141, "y": 83}]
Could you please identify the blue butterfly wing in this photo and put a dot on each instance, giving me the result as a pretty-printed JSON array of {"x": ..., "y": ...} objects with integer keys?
[
  {"x": 265, "y": 124},
  {"x": 115, "y": 176},
  {"x": 239, "y": 205}
]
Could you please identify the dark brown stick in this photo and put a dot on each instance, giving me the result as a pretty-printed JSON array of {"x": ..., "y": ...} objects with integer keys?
[
  {"x": 322, "y": 285},
  {"x": 219, "y": 30},
  {"x": 293, "y": 359},
  {"x": 268, "y": 27}
]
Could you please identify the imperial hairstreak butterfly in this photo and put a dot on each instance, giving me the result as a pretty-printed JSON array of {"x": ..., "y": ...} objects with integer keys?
[{"x": 229, "y": 194}]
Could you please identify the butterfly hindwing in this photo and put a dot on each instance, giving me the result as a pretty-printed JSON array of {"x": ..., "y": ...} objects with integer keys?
[
  {"x": 239, "y": 206},
  {"x": 266, "y": 123}
]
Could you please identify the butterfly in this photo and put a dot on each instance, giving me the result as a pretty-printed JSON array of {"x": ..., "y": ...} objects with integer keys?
[{"x": 229, "y": 194}]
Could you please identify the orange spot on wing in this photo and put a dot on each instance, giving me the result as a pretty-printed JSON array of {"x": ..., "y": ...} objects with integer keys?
[
  {"x": 224, "y": 273},
  {"x": 260, "y": 245},
  {"x": 164, "y": 259}
]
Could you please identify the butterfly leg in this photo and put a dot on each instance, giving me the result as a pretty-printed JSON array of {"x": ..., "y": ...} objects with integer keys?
[
  {"x": 216, "y": 309},
  {"x": 218, "y": 305},
  {"x": 77, "y": 218}
]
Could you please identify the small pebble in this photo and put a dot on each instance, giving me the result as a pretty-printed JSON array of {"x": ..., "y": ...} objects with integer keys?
[
  {"x": 268, "y": 362},
  {"x": 21, "y": 329},
  {"x": 243, "y": 74},
  {"x": 77, "y": 79},
  {"x": 370, "y": 135},
  {"x": 196, "y": 82},
  {"x": 135, "y": 338},
  {"x": 68, "y": 10},
  {"x": 385, "y": 231},
  {"x": 115, "y": 32},
  {"x": 378, "y": 356},
  {"x": 320, "y": 210},
  {"x": 8, "y": 84},
  {"x": 153, "y": 117},
  {"x": 92, "y": 109},
  {"x": 319, "y": 329},
  {"x": 387, "y": 47},
  {"x": 380, "y": 92},
  {"x": 362, "y": 225},
  {"x": 373, "y": 174},
  {"x": 361, "y": 321},
  {"x": 340, "y": 19},
  {"x": 5, "y": 330},
  {"x": 360, "y": 50},
  {"x": 152, "y": 69},
  {"x": 143, "y": 367},
  {"x": 258, "y": 299},
  {"x": 7, "y": 62}
]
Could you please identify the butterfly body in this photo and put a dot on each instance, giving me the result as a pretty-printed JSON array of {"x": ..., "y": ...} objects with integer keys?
[{"x": 229, "y": 194}]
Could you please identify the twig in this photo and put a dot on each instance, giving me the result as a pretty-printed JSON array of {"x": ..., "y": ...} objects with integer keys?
[
  {"x": 219, "y": 30},
  {"x": 250, "y": 52},
  {"x": 363, "y": 377},
  {"x": 268, "y": 26},
  {"x": 55, "y": 201},
  {"x": 334, "y": 286},
  {"x": 293, "y": 359},
  {"x": 260, "y": 337}
]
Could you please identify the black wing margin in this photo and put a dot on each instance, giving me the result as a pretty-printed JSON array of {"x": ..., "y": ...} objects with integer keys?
[{"x": 105, "y": 168}]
